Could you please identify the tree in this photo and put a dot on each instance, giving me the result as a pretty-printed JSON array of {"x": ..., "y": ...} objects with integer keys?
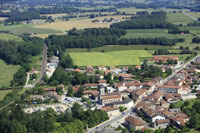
[{"x": 70, "y": 91}]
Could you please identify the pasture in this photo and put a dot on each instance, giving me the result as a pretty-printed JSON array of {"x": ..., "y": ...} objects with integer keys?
[
  {"x": 6, "y": 37},
  {"x": 150, "y": 33},
  {"x": 79, "y": 23},
  {"x": 27, "y": 28},
  {"x": 3, "y": 93},
  {"x": 111, "y": 48},
  {"x": 134, "y": 10},
  {"x": 115, "y": 58},
  {"x": 7, "y": 72},
  {"x": 178, "y": 18}
]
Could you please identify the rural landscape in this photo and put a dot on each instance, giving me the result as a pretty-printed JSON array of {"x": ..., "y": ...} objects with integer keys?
[{"x": 106, "y": 66}]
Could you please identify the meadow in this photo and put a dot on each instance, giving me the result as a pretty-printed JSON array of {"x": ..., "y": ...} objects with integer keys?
[
  {"x": 134, "y": 10},
  {"x": 27, "y": 28},
  {"x": 6, "y": 37},
  {"x": 178, "y": 18},
  {"x": 3, "y": 93},
  {"x": 150, "y": 33},
  {"x": 115, "y": 58},
  {"x": 7, "y": 72}
]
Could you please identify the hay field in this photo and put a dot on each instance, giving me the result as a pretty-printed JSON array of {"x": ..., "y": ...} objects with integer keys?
[
  {"x": 115, "y": 58},
  {"x": 6, "y": 37},
  {"x": 79, "y": 24}
]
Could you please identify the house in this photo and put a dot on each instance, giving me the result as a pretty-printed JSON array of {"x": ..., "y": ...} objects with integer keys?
[
  {"x": 138, "y": 94},
  {"x": 102, "y": 68},
  {"x": 52, "y": 65},
  {"x": 102, "y": 82},
  {"x": 125, "y": 69},
  {"x": 164, "y": 104},
  {"x": 134, "y": 86},
  {"x": 54, "y": 59},
  {"x": 120, "y": 87},
  {"x": 75, "y": 88},
  {"x": 112, "y": 68},
  {"x": 109, "y": 98},
  {"x": 89, "y": 70},
  {"x": 127, "y": 103},
  {"x": 125, "y": 93},
  {"x": 162, "y": 123},
  {"x": 169, "y": 88},
  {"x": 112, "y": 111},
  {"x": 134, "y": 123},
  {"x": 123, "y": 76},
  {"x": 92, "y": 94},
  {"x": 157, "y": 116},
  {"x": 170, "y": 98},
  {"x": 138, "y": 67},
  {"x": 156, "y": 96},
  {"x": 91, "y": 86},
  {"x": 36, "y": 97},
  {"x": 163, "y": 59}
]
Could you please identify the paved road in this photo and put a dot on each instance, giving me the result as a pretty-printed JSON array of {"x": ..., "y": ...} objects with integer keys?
[
  {"x": 105, "y": 124},
  {"x": 192, "y": 17},
  {"x": 177, "y": 70}
]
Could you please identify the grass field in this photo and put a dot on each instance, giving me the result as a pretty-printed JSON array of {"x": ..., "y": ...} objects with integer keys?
[
  {"x": 27, "y": 28},
  {"x": 192, "y": 29},
  {"x": 3, "y": 93},
  {"x": 79, "y": 23},
  {"x": 7, "y": 72},
  {"x": 150, "y": 33},
  {"x": 178, "y": 18},
  {"x": 115, "y": 58},
  {"x": 134, "y": 10},
  {"x": 4, "y": 36},
  {"x": 111, "y": 48}
]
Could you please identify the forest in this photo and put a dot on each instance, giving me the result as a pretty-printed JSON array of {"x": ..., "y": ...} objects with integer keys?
[
  {"x": 144, "y": 20},
  {"x": 76, "y": 121}
]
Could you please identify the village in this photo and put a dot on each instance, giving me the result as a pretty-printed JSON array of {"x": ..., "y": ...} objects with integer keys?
[{"x": 130, "y": 103}]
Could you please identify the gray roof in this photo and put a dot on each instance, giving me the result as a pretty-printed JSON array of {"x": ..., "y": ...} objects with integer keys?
[{"x": 107, "y": 130}]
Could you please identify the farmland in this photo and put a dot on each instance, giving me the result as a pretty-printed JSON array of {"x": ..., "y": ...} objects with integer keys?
[
  {"x": 77, "y": 23},
  {"x": 7, "y": 72},
  {"x": 178, "y": 18},
  {"x": 115, "y": 58}
]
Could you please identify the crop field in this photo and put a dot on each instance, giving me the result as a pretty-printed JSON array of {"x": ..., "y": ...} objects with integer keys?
[
  {"x": 178, "y": 18},
  {"x": 115, "y": 58},
  {"x": 77, "y": 23},
  {"x": 7, "y": 72},
  {"x": 27, "y": 28},
  {"x": 149, "y": 33}
]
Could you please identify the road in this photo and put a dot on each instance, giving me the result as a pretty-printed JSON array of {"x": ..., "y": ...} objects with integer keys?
[
  {"x": 105, "y": 124},
  {"x": 177, "y": 70},
  {"x": 192, "y": 17},
  {"x": 128, "y": 112}
]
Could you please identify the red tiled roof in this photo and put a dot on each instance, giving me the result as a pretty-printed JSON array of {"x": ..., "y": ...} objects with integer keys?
[
  {"x": 110, "y": 97},
  {"x": 134, "y": 121},
  {"x": 93, "y": 92},
  {"x": 102, "y": 81},
  {"x": 169, "y": 86},
  {"x": 163, "y": 121},
  {"x": 75, "y": 88},
  {"x": 88, "y": 85},
  {"x": 139, "y": 92}
]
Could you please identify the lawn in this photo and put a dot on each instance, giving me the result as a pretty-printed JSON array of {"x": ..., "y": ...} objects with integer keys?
[
  {"x": 134, "y": 10},
  {"x": 7, "y": 72},
  {"x": 178, "y": 18},
  {"x": 27, "y": 28},
  {"x": 110, "y": 48},
  {"x": 4, "y": 36},
  {"x": 149, "y": 33},
  {"x": 115, "y": 58}
]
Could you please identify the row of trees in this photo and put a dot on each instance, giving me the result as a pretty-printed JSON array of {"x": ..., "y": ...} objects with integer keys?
[{"x": 196, "y": 40}]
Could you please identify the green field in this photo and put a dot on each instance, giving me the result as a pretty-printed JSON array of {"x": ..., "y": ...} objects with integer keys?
[
  {"x": 27, "y": 28},
  {"x": 178, "y": 18},
  {"x": 150, "y": 33},
  {"x": 4, "y": 36},
  {"x": 110, "y": 48},
  {"x": 3, "y": 93},
  {"x": 115, "y": 58},
  {"x": 7, "y": 72}
]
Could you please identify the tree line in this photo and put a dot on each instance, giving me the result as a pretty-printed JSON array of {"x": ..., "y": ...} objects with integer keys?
[{"x": 144, "y": 20}]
